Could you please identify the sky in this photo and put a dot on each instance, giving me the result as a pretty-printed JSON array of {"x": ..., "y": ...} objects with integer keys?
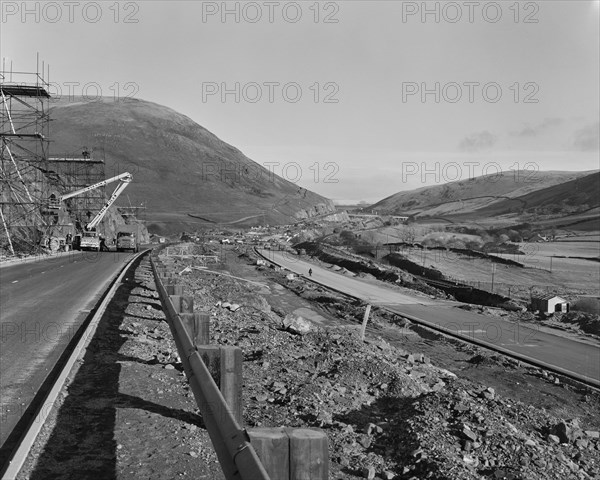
[{"x": 355, "y": 100}]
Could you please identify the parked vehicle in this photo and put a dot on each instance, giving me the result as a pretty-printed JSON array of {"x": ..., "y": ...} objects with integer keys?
[
  {"x": 88, "y": 241},
  {"x": 128, "y": 238}
]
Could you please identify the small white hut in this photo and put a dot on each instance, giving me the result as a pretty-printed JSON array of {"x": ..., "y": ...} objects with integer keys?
[{"x": 549, "y": 303}]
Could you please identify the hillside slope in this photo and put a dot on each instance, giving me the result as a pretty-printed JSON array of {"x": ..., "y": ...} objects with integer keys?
[
  {"x": 473, "y": 194},
  {"x": 185, "y": 175},
  {"x": 581, "y": 193}
]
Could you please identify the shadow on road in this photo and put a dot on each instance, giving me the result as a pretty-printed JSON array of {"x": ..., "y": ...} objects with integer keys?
[{"x": 82, "y": 443}]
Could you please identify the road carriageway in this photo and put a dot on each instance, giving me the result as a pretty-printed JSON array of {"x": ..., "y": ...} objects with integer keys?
[{"x": 578, "y": 360}]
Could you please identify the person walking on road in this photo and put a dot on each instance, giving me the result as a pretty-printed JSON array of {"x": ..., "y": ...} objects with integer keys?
[{"x": 310, "y": 272}]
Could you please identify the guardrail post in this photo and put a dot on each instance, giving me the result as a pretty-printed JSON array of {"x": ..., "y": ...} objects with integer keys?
[
  {"x": 198, "y": 326},
  {"x": 164, "y": 277},
  {"x": 225, "y": 367},
  {"x": 184, "y": 306},
  {"x": 211, "y": 356},
  {"x": 272, "y": 446},
  {"x": 202, "y": 323},
  {"x": 174, "y": 289},
  {"x": 292, "y": 453},
  {"x": 309, "y": 455},
  {"x": 231, "y": 380},
  {"x": 175, "y": 300}
]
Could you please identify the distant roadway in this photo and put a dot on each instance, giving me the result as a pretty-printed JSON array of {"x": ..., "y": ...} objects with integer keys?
[
  {"x": 580, "y": 357},
  {"x": 42, "y": 304}
]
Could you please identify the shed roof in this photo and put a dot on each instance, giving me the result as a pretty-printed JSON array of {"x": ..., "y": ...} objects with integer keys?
[{"x": 549, "y": 296}]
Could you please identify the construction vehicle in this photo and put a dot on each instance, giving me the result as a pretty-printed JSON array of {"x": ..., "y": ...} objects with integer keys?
[
  {"x": 128, "y": 238},
  {"x": 89, "y": 239}
]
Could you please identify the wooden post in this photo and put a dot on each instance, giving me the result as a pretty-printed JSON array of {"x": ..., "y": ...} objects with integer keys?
[
  {"x": 175, "y": 300},
  {"x": 231, "y": 380},
  {"x": 184, "y": 306},
  {"x": 198, "y": 326},
  {"x": 164, "y": 278},
  {"x": 201, "y": 328},
  {"x": 365, "y": 320},
  {"x": 309, "y": 455},
  {"x": 225, "y": 366},
  {"x": 211, "y": 356},
  {"x": 292, "y": 453},
  {"x": 187, "y": 304},
  {"x": 188, "y": 323},
  {"x": 272, "y": 446},
  {"x": 174, "y": 289}
]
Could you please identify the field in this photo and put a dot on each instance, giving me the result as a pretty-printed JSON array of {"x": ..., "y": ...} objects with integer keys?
[
  {"x": 569, "y": 277},
  {"x": 544, "y": 270}
]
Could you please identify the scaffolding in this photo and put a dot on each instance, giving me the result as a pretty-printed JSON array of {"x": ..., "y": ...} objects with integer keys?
[
  {"x": 73, "y": 173},
  {"x": 30, "y": 179},
  {"x": 24, "y": 126},
  {"x": 32, "y": 182},
  {"x": 133, "y": 212}
]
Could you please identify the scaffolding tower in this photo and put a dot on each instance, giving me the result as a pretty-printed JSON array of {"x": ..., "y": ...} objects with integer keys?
[
  {"x": 75, "y": 172},
  {"x": 135, "y": 212},
  {"x": 24, "y": 125},
  {"x": 32, "y": 182}
]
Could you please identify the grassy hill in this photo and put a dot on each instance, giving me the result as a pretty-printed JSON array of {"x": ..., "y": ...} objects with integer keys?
[
  {"x": 479, "y": 194},
  {"x": 580, "y": 194},
  {"x": 186, "y": 176}
]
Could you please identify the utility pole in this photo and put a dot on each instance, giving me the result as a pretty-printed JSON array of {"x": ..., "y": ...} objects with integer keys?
[
  {"x": 493, "y": 271},
  {"x": 551, "y": 263}
]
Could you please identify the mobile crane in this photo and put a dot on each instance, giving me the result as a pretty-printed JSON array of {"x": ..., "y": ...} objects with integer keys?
[{"x": 89, "y": 238}]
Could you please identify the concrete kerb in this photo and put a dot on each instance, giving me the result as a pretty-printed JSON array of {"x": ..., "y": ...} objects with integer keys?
[{"x": 37, "y": 258}]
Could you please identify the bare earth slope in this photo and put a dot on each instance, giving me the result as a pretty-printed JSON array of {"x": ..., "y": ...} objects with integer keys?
[{"x": 179, "y": 167}]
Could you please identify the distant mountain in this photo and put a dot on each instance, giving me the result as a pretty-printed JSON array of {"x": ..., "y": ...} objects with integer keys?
[
  {"x": 475, "y": 194},
  {"x": 583, "y": 193},
  {"x": 183, "y": 174}
]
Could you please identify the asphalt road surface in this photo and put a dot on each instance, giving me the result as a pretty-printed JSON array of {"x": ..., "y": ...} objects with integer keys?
[
  {"x": 42, "y": 304},
  {"x": 580, "y": 357}
]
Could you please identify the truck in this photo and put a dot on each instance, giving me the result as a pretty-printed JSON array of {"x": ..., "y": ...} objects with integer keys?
[
  {"x": 128, "y": 238},
  {"x": 89, "y": 238},
  {"x": 87, "y": 241}
]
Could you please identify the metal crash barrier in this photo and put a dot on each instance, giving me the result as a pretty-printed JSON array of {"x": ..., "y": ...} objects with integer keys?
[{"x": 215, "y": 377}]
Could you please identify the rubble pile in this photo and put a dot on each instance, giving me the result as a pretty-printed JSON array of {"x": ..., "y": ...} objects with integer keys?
[
  {"x": 586, "y": 322},
  {"x": 388, "y": 413}
]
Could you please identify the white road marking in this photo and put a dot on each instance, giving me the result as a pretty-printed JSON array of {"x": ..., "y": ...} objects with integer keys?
[{"x": 15, "y": 281}]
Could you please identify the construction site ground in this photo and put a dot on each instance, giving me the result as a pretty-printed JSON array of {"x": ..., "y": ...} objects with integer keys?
[{"x": 406, "y": 403}]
